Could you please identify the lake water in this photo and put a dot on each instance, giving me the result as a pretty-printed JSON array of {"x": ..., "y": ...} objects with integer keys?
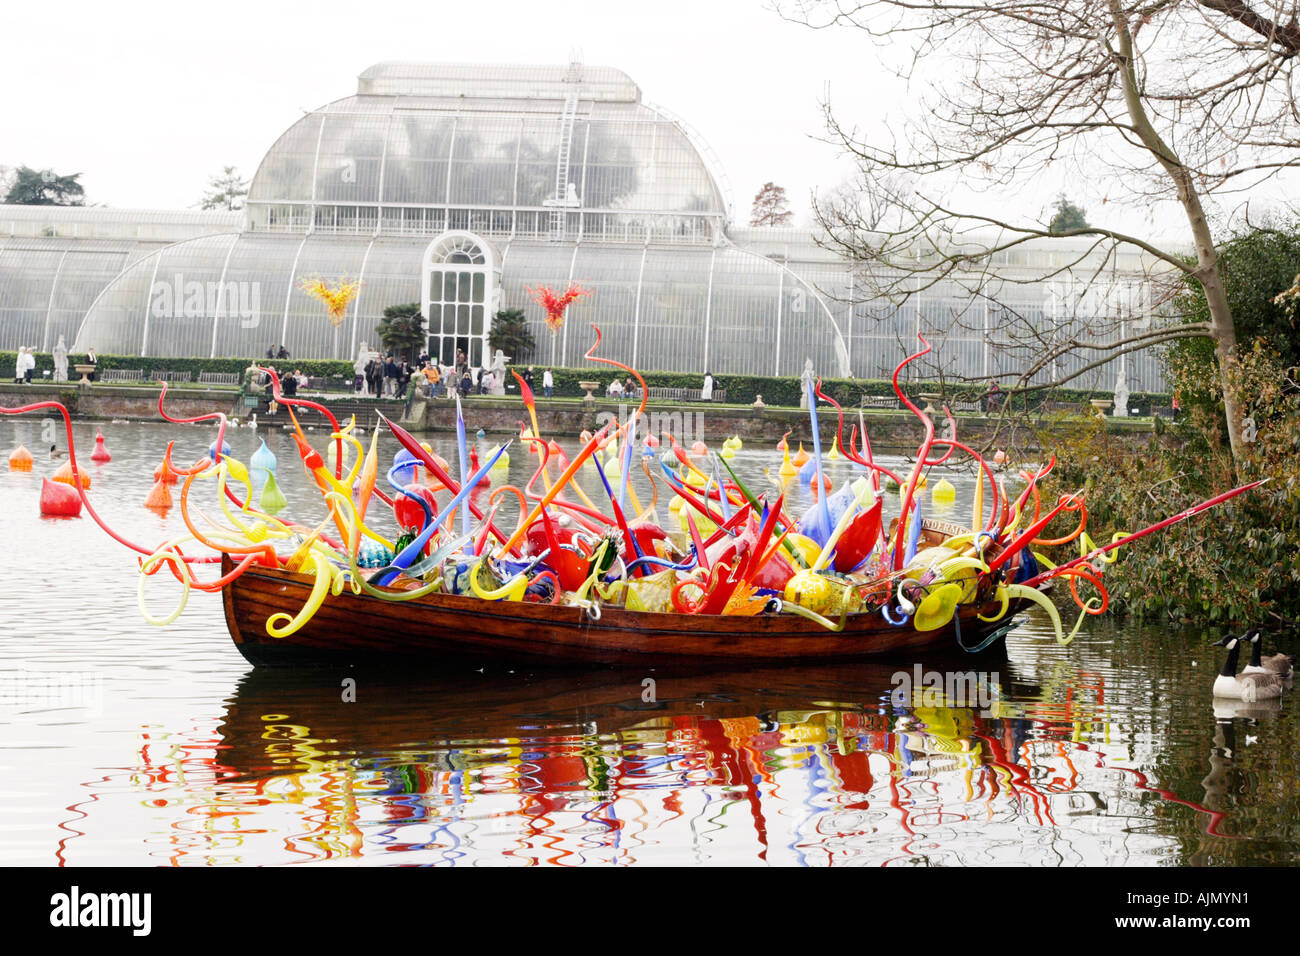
[{"x": 130, "y": 745}]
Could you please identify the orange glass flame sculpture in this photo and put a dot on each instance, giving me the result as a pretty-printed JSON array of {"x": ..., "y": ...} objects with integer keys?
[
  {"x": 556, "y": 304},
  {"x": 336, "y": 297}
]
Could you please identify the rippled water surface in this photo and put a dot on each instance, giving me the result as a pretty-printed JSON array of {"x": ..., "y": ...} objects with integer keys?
[{"x": 126, "y": 744}]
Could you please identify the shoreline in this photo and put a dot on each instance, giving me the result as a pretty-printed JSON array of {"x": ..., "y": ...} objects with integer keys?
[{"x": 891, "y": 431}]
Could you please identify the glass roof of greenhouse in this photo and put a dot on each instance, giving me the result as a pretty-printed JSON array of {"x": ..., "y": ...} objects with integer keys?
[
  {"x": 544, "y": 141},
  {"x": 503, "y": 81}
]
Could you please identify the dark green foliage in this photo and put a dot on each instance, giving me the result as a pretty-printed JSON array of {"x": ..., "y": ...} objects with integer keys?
[
  {"x": 312, "y": 368},
  {"x": 510, "y": 334},
  {"x": 401, "y": 330},
  {"x": 35, "y": 187},
  {"x": 741, "y": 389},
  {"x": 1067, "y": 216},
  {"x": 1256, "y": 266},
  {"x": 1237, "y": 564}
]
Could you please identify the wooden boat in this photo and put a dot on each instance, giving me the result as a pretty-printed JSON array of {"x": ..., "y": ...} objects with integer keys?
[{"x": 353, "y": 629}]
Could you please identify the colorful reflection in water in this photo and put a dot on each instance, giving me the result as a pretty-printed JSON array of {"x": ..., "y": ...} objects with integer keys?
[{"x": 569, "y": 771}]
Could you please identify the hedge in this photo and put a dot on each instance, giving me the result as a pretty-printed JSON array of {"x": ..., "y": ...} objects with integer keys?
[
  {"x": 741, "y": 389},
  {"x": 312, "y": 368}
]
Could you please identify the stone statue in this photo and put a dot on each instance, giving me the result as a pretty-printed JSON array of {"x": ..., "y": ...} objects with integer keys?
[
  {"x": 253, "y": 380},
  {"x": 1121, "y": 398},
  {"x": 806, "y": 382},
  {"x": 498, "y": 373},
  {"x": 61, "y": 361}
]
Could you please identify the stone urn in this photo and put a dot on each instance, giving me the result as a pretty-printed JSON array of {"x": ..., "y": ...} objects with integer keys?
[
  {"x": 589, "y": 387},
  {"x": 85, "y": 371},
  {"x": 931, "y": 399},
  {"x": 1102, "y": 405}
]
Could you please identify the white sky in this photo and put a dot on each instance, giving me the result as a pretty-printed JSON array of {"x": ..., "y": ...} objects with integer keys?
[{"x": 148, "y": 99}]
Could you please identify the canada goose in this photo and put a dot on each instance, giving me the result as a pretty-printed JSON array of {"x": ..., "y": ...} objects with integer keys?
[
  {"x": 1276, "y": 664},
  {"x": 1246, "y": 686}
]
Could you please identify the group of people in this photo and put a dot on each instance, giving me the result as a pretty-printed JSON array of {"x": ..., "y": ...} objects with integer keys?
[
  {"x": 289, "y": 384},
  {"x": 25, "y": 365},
  {"x": 442, "y": 380},
  {"x": 621, "y": 388},
  {"x": 386, "y": 377},
  {"x": 277, "y": 353}
]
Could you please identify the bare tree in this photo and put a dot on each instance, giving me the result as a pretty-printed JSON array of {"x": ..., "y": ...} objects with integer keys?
[
  {"x": 1181, "y": 101},
  {"x": 875, "y": 202}
]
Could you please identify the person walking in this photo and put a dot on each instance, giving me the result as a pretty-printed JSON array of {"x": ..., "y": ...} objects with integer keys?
[
  {"x": 548, "y": 383},
  {"x": 994, "y": 400},
  {"x": 26, "y": 363},
  {"x": 706, "y": 393}
]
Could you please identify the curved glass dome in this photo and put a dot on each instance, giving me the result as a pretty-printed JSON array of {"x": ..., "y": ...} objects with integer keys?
[{"x": 543, "y": 152}]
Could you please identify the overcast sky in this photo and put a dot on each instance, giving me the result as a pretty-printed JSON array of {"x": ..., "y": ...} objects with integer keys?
[{"x": 148, "y": 99}]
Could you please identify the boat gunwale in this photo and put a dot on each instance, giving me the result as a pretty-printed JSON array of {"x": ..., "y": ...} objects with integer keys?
[{"x": 618, "y": 619}]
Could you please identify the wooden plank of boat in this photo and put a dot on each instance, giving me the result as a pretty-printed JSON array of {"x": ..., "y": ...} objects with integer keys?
[{"x": 359, "y": 629}]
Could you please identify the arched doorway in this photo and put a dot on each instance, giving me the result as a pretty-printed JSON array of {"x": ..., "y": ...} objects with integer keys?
[{"x": 461, "y": 292}]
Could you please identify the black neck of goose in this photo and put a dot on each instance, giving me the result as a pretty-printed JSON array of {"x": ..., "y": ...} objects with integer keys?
[
  {"x": 1255, "y": 646},
  {"x": 1230, "y": 665}
]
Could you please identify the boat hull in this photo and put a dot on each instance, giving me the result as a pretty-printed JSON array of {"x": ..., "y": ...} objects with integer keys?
[{"x": 360, "y": 629}]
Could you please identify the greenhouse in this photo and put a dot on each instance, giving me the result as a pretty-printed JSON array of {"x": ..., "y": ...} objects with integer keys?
[{"x": 462, "y": 187}]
